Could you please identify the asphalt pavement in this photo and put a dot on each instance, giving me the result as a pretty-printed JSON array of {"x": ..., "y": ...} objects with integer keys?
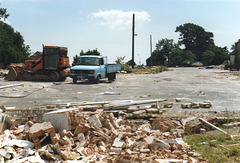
[{"x": 217, "y": 86}]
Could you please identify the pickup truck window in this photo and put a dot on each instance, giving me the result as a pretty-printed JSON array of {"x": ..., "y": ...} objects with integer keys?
[{"x": 91, "y": 61}]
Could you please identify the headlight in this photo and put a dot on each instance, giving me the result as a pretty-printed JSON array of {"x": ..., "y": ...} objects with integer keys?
[{"x": 91, "y": 72}]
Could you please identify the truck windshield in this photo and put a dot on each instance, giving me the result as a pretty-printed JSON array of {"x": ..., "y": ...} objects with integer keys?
[{"x": 91, "y": 61}]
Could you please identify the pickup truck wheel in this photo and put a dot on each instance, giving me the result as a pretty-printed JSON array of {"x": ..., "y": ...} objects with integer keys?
[
  {"x": 74, "y": 80},
  {"x": 112, "y": 76},
  {"x": 97, "y": 80}
]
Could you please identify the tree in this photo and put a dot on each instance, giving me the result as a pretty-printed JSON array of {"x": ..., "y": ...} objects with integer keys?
[
  {"x": 207, "y": 57},
  {"x": 221, "y": 54},
  {"x": 175, "y": 57},
  {"x": 124, "y": 66},
  {"x": 158, "y": 58},
  {"x": 3, "y": 13},
  {"x": 75, "y": 59},
  {"x": 180, "y": 57},
  {"x": 12, "y": 47},
  {"x": 89, "y": 52},
  {"x": 195, "y": 38},
  {"x": 215, "y": 56},
  {"x": 188, "y": 57},
  {"x": 162, "y": 52},
  {"x": 130, "y": 62}
]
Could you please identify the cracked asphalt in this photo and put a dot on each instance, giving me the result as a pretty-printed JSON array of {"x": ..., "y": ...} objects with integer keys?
[{"x": 220, "y": 87}]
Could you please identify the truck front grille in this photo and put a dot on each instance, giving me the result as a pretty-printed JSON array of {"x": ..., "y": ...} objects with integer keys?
[{"x": 81, "y": 71}]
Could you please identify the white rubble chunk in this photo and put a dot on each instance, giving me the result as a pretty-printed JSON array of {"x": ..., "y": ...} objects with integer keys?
[
  {"x": 95, "y": 120},
  {"x": 22, "y": 143},
  {"x": 5, "y": 154},
  {"x": 117, "y": 142},
  {"x": 170, "y": 161}
]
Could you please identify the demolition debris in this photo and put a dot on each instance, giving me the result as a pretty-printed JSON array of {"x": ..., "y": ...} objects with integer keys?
[{"x": 95, "y": 133}]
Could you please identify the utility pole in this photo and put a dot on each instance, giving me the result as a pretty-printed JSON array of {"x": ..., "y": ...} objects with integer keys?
[
  {"x": 133, "y": 34},
  {"x": 151, "y": 48}
]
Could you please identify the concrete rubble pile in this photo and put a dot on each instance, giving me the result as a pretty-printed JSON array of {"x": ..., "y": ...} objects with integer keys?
[{"x": 71, "y": 134}]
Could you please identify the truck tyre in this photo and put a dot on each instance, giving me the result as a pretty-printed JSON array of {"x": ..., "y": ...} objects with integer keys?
[
  {"x": 74, "y": 80},
  {"x": 97, "y": 80},
  {"x": 54, "y": 76},
  {"x": 112, "y": 77}
]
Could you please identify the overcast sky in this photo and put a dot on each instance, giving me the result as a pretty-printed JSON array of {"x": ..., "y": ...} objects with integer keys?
[{"x": 107, "y": 24}]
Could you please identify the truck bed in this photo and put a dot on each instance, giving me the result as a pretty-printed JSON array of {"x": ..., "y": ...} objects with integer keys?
[{"x": 113, "y": 68}]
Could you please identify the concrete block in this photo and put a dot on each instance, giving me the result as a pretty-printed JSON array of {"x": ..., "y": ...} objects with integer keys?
[
  {"x": 60, "y": 119},
  {"x": 94, "y": 119},
  {"x": 117, "y": 142},
  {"x": 149, "y": 140},
  {"x": 22, "y": 143},
  {"x": 161, "y": 144},
  {"x": 5, "y": 154}
]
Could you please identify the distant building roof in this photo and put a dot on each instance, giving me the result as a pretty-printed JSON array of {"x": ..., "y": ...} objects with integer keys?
[{"x": 37, "y": 54}]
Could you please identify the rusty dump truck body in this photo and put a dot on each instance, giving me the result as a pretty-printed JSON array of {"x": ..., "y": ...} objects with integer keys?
[{"x": 52, "y": 66}]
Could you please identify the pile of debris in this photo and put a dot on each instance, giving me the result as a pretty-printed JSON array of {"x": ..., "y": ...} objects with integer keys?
[
  {"x": 71, "y": 134},
  {"x": 3, "y": 72},
  {"x": 194, "y": 105}
]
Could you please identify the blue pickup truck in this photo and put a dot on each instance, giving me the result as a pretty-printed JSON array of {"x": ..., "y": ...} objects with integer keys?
[{"x": 94, "y": 68}]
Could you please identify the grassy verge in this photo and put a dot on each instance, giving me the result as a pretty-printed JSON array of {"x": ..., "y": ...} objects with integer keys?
[
  {"x": 149, "y": 70},
  {"x": 215, "y": 147}
]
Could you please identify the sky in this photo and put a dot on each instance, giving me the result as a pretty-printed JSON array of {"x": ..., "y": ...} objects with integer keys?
[{"x": 106, "y": 25}]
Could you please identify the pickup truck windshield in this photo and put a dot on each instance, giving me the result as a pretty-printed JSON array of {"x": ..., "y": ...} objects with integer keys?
[{"x": 91, "y": 61}]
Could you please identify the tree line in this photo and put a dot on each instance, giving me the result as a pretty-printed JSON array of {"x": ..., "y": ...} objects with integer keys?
[{"x": 198, "y": 46}]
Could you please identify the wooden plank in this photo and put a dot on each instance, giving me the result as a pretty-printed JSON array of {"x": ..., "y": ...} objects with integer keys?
[{"x": 12, "y": 85}]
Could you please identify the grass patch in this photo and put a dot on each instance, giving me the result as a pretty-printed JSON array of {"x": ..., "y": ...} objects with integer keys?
[
  {"x": 215, "y": 147},
  {"x": 149, "y": 70}
]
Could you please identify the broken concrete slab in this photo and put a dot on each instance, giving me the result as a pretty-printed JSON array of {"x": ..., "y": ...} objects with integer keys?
[
  {"x": 94, "y": 119},
  {"x": 22, "y": 143},
  {"x": 63, "y": 118}
]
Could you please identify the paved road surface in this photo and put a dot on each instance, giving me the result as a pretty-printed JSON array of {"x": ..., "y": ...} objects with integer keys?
[{"x": 219, "y": 87}]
